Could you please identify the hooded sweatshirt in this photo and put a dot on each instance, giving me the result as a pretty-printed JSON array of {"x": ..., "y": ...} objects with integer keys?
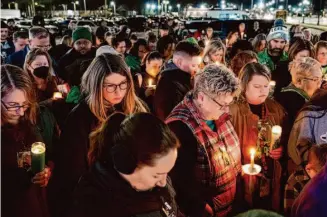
[{"x": 310, "y": 127}]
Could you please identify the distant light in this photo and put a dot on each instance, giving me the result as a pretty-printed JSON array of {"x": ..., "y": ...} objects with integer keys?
[
  {"x": 178, "y": 5},
  {"x": 203, "y": 6},
  {"x": 281, "y": 7},
  {"x": 153, "y": 6},
  {"x": 170, "y": 7},
  {"x": 148, "y": 6},
  {"x": 112, "y": 3},
  {"x": 190, "y": 7},
  {"x": 261, "y": 5}
]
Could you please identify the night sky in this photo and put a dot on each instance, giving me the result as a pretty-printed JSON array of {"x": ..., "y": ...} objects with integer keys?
[{"x": 140, "y": 4}]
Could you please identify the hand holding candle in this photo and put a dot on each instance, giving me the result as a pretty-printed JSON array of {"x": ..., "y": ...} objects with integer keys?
[
  {"x": 38, "y": 157},
  {"x": 276, "y": 132}
]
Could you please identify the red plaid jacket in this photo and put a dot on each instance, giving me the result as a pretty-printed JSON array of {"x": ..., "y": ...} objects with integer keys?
[{"x": 218, "y": 154}]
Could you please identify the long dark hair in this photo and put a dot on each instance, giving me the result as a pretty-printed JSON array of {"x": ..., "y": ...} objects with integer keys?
[{"x": 145, "y": 136}]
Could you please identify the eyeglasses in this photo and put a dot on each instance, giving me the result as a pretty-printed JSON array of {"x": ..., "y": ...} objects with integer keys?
[
  {"x": 45, "y": 47},
  {"x": 220, "y": 105},
  {"x": 14, "y": 108},
  {"x": 110, "y": 88},
  {"x": 312, "y": 79}
]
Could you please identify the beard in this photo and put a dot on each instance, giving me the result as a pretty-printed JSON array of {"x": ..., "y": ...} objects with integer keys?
[{"x": 275, "y": 51}]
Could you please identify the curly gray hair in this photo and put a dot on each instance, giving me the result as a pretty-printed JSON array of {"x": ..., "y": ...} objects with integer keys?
[{"x": 216, "y": 80}]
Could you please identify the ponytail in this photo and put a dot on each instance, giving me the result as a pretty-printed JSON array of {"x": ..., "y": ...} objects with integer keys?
[{"x": 102, "y": 139}]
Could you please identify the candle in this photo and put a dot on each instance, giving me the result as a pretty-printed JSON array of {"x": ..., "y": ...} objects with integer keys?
[
  {"x": 272, "y": 84},
  {"x": 38, "y": 157},
  {"x": 252, "y": 153},
  {"x": 276, "y": 132},
  {"x": 150, "y": 84},
  {"x": 57, "y": 95}
]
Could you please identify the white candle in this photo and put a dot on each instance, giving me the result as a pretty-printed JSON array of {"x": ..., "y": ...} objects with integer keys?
[
  {"x": 252, "y": 153},
  {"x": 57, "y": 95},
  {"x": 276, "y": 132},
  {"x": 150, "y": 84},
  {"x": 272, "y": 84}
]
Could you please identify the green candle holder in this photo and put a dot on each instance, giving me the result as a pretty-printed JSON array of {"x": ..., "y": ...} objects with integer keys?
[{"x": 38, "y": 157}]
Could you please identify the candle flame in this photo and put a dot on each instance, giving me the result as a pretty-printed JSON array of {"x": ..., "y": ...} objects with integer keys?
[
  {"x": 38, "y": 149},
  {"x": 57, "y": 95},
  {"x": 252, "y": 151},
  {"x": 150, "y": 82},
  {"x": 272, "y": 83}
]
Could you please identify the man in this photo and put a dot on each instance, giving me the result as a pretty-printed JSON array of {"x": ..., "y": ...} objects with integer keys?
[
  {"x": 119, "y": 44},
  {"x": 7, "y": 47},
  {"x": 20, "y": 39},
  {"x": 165, "y": 47},
  {"x": 152, "y": 41},
  {"x": 38, "y": 38},
  {"x": 164, "y": 30},
  {"x": 11, "y": 27},
  {"x": 175, "y": 83},
  {"x": 71, "y": 64},
  {"x": 296, "y": 182},
  {"x": 241, "y": 32},
  {"x": 274, "y": 56},
  {"x": 101, "y": 31},
  {"x": 307, "y": 34},
  {"x": 108, "y": 38}
]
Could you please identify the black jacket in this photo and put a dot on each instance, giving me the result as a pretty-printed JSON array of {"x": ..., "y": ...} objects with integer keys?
[
  {"x": 103, "y": 192},
  {"x": 282, "y": 76},
  {"x": 71, "y": 156},
  {"x": 70, "y": 68},
  {"x": 171, "y": 89},
  {"x": 20, "y": 198}
]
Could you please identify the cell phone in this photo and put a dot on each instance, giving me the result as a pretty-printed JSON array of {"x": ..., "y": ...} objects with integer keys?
[{"x": 63, "y": 88}]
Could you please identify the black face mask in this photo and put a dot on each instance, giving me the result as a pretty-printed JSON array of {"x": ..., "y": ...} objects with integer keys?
[{"x": 41, "y": 72}]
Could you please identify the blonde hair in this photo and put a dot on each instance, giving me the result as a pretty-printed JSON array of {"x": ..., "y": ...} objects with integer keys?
[
  {"x": 13, "y": 77},
  {"x": 93, "y": 80},
  {"x": 304, "y": 68},
  {"x": 214, "y": 46}
]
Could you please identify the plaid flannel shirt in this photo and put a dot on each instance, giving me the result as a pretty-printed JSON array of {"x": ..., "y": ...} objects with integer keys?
[
  {"x": 293, "y": 188},
  {"x": 218, "y": 154}
]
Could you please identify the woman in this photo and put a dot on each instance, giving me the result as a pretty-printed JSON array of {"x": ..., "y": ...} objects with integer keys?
[
  {"x": 150, "y": 77},
  {"x": 301, "y": 48},
  {"x": 306, "y": 79},
  {"x": 321, "y": 56},
  {"x": 136, "y": 55},
  {"x": 309, "y": 128},
  {"x": 214, "y": 52},
  {"x": 241, "y": 59},
  {"x": 232, "y": 37},
  {"x": 61, "y": 49},
  {"x": 259, "y": 42},
  {"x": 107, "y": 86},
  {"x": 253, "y": 115},
  {"x": 209, "y": 159},
  {"x": 39, "y": 67},
  {"x": 129, "y": 169},
  {"x": 22, "y": 190}
]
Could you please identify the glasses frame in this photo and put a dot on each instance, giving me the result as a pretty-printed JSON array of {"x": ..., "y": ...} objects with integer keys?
[
  {"x": 15, "y": 108},
  {"x": 215, "y": 101},
  {"x": 106, "y": 86}
]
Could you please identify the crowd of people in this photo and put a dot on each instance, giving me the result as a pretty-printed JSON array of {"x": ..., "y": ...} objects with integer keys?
[{"x": 162, "y": 125}]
